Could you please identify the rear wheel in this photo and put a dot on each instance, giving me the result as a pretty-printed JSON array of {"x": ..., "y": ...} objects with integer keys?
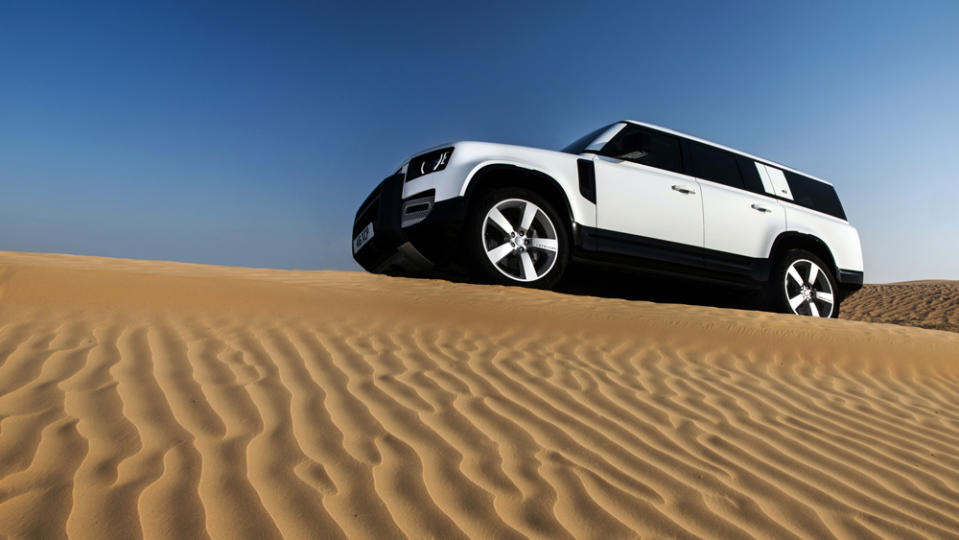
[
  {"x": 514, "y": 236},
  {"x": 801, "y": 283}
]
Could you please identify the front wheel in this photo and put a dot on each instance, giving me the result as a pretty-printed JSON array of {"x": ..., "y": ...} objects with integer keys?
[
  {"x": 801, "y": 283},
  {"x": 514, "y": 236}
]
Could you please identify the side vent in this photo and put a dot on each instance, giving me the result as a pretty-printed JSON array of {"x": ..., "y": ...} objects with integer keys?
[{"x": 587, "y": 179}]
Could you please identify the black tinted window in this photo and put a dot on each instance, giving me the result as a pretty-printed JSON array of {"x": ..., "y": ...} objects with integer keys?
[
  {"x": 710, "y": 163},
  {"x": 814, "y": 194},
  {"x": 750, "y": 174},
  {"x": 647, "y": 147}
]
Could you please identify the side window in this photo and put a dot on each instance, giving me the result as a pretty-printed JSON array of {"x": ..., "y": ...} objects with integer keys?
[
  {"x": 710, "y": 163},
  {"x": 646, "y": 147},
  {"x": 750, "y": 174},
  {"x": 814, "y": 194}
]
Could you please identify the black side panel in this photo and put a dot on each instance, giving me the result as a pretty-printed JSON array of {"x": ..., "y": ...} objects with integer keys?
[
  {"x": 641, "y": 247},
  {"x": 737, "y": 267},
  {"x": 640, "y": 253},
  {"x": 587, "y": 179}
]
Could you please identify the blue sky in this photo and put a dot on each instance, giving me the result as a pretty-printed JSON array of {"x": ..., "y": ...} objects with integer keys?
[{"x": 247, "y": 133}]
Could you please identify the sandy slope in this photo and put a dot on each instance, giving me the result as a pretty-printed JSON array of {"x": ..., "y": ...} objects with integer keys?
[
  {"x": 177, "y": 401},
  {"x": 926, "y": 304}
]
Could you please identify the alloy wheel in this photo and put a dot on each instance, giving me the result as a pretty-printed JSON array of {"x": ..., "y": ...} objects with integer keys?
[
  {"x": 520, "y": 240},
  {"x": 808, "y": 290}
]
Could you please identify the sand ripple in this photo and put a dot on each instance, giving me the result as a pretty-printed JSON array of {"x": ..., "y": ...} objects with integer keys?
[
  {"x": 179, "y": 401},
  {"x": 926, "y": 304}
]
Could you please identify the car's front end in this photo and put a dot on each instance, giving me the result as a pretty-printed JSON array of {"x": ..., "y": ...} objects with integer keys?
[
  {"x": 411, "y": 220},
  {"x": 411, "y": 223}
]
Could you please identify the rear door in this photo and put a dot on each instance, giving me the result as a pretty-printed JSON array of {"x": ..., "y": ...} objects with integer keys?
[{"x": 739, "y": 224}]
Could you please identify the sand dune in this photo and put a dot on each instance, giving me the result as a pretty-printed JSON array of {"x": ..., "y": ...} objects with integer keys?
[
  {"x": 167, "y": 400},
  {"x": 926, "y": 304}
]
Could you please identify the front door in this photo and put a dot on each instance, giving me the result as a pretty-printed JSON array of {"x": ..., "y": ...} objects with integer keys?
[{"x": 643, "y": 199}]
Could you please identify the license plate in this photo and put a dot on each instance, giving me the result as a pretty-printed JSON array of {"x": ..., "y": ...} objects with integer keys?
[{"x": 361, "y": 239}]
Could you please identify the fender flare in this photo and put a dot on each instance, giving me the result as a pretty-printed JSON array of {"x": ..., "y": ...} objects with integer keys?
[
  {"x": 469, "y": 186},
  {"x": 821, "y": 248}
]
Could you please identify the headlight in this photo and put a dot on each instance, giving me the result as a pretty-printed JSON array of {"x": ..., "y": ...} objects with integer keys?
[{"x": 427, "y": 163}]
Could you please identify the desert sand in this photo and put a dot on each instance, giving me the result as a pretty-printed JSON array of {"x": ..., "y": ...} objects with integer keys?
[
  {"x": 926, "y": 304},
  {"x": 168, "y": 400}
]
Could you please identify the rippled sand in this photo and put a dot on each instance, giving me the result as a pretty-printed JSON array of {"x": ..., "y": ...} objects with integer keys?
[
  {"x": 926, "y": 304},
  {"x": 177, "y": 401}
]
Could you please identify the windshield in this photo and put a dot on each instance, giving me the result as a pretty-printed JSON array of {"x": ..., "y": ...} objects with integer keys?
[{"x": 580, "y": 144}]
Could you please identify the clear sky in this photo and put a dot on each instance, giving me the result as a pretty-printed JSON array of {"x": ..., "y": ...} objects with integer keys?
[{"x": 247, "y": 133}]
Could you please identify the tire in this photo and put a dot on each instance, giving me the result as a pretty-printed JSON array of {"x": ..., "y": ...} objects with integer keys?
[
  {"x": 793, "y": 292},
  {"x": 534, "y": 256}
]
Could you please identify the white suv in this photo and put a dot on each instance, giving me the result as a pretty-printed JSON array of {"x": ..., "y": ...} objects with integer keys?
[{"x": 629, "y": 194}]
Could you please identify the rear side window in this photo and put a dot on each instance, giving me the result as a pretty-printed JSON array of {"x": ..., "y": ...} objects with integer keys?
[
  {"x": 646, "y": 147},
  {"x": 816, "y": 195},
  {"x": 712, "y": 164}
]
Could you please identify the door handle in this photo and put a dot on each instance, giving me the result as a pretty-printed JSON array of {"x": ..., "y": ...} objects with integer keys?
[
  {"x": 762, "y": 209},
  {"x": 684, "y": 190}
]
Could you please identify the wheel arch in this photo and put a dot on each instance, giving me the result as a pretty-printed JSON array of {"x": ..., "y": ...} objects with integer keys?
[
  {"x": 499, "y": 175},
  {"x": 797, "y": 240}
]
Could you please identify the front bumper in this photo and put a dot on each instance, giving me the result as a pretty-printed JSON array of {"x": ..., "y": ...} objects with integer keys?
[{"x": 427, "y": 244}]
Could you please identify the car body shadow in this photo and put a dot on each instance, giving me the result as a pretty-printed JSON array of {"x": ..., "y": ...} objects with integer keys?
[
  {"x": 634, "y": 285},
  {"x": 606, "y": 282}
]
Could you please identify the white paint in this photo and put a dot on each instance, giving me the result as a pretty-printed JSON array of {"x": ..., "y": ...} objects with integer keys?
[
  {"x": 732, "y": 223},
  {"x": 778, "y": 180},
  {"x": 764, "y": 177},
  {"x": 641, "y": 200}
]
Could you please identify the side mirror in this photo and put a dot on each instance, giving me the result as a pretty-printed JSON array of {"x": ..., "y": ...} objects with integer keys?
[
  {"x": 632, "y": 146},
  {"x": 634, "y": 155}
]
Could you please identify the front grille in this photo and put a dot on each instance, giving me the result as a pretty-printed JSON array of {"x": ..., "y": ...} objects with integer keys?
[
  {"x": 366, "y": 215},
  {"x": 372, "y": 199},
  {"x": 370, "y": 209}
]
